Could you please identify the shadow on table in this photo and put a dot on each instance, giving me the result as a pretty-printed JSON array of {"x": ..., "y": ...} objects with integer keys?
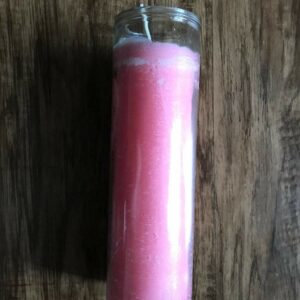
[{"x": 69, "y": 145}]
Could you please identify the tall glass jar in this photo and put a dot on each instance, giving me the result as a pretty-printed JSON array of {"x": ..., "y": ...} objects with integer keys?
[{"x": 155, "y": 100}]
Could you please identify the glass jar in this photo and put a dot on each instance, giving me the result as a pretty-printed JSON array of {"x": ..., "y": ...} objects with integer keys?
[{"x": 154, "y": 130}]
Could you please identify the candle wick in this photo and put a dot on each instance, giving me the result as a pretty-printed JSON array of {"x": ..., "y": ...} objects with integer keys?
[
  {"x": 146, "y": 27},
  {"x": 146, "y": 23}
]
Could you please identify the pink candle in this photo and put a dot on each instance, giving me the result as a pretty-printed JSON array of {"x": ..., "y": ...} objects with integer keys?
[
  {"x": 155, "y": 97},
  {"x": 153, "y": 145}
]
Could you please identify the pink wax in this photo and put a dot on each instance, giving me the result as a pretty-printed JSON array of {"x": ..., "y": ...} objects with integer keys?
[{"x": 155, "y": 99}]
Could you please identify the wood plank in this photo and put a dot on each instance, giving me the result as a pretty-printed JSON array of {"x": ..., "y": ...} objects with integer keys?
[
  {"x": 248, "y": 224},
  {"x": 55, "y": 92}
]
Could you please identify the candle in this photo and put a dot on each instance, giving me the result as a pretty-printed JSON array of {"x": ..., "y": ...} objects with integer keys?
[{"x": 153, "y": 142}]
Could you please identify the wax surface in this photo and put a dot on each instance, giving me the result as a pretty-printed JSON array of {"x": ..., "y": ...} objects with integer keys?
[{"x": 153, "y": 173}]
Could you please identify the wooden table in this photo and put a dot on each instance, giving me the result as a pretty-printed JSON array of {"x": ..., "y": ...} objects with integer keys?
[{"x": 55, "y": 97}]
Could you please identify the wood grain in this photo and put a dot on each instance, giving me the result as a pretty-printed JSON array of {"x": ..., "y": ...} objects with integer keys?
[{"x": 55, "y": 93}]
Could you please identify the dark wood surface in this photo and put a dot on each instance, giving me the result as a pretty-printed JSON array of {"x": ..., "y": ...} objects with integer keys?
[{"x": 55, "y": 94}]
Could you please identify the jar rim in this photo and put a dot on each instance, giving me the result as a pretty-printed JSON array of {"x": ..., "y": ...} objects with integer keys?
[{"x": 157, "y": 10}]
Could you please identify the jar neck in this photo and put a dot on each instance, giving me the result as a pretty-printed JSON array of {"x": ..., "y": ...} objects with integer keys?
[{"x": 147, "y": 13}]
